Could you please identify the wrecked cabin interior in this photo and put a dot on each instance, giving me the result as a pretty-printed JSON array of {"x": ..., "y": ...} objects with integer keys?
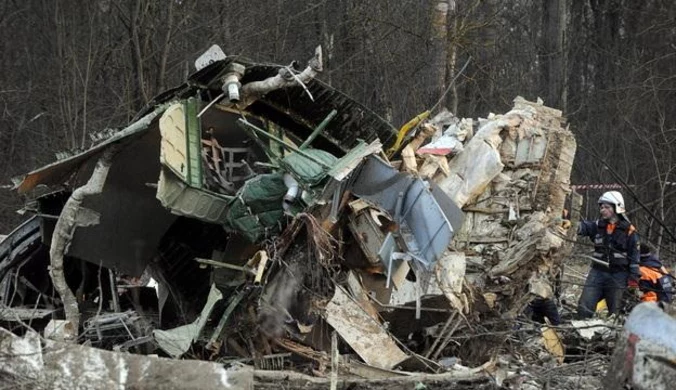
[{"x": 249, "y": 213}]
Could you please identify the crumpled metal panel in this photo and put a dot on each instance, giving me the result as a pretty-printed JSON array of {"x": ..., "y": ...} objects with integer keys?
[
  {"x": 184, "y": 200},
  {"x": 58, "y": 172},
  {"x": 424, "y": 214}
]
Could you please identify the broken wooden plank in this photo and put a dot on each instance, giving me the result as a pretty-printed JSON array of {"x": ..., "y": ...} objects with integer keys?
[{"x": 364, "y": 334}]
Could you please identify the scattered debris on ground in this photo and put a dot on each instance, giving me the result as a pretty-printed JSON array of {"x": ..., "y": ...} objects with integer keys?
[{"x": 259, "y": 221}]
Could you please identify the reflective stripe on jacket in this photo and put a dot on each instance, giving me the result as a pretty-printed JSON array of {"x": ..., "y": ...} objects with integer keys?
[
  {"x": 612, "y": 243},
  {"x": 655, "y": 281}
]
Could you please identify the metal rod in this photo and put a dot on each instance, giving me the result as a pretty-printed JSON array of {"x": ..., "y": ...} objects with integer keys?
[
  {"x": 234, "y": 301},
  {"x": 413, "y": 203},
  {"x": 319, "y": 129},
  {"x": 335, "y": 356},
  {"x": 429, "y": 243},
  {"x": 597, "y": 261},
  {"x": 247, "y": 124},
  {"x": 211, "y": 103},
  {"x": 418, "y": 303},
  {"x": 113, "y": 288},
  {"x": 219, "y": 264}
]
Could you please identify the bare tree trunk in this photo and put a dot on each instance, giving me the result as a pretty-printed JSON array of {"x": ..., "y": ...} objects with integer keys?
[
  {"x": 554, "y": 61},
  {"x": 439, "y": 58},
  {"x": 92, "y": 53},
  {"x": 138, "y": 53},
  {"x": 72, "y": 216},
  {"x": 452, "y": 60},
  {"x": 161, "y": 75}
]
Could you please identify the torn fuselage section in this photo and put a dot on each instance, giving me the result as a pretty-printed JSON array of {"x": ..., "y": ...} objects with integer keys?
[{"x": 195, "y": 177}]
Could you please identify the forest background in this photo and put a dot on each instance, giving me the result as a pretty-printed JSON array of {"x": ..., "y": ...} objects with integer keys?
[{"x": 70, "y": 67}]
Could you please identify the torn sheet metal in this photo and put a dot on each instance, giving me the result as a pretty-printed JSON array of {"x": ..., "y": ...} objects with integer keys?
[
  {"x": 177, "y": 341},
  {"x": 309, "y": 166},
  {"x": 58, "y": 171},
  {"x": 63, "y": 366},
  {"x": 132, "y": 221},
  {"x": 187, "y": 201},
  {"x": 425, "y": 224},
  {"x": 364, "y": 334}
]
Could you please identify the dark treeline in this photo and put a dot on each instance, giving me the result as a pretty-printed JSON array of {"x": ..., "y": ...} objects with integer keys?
[{"x": 70, "y": 67}]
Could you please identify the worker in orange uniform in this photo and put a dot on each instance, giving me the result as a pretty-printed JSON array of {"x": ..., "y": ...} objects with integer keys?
[{"x": 655, "y": 283}]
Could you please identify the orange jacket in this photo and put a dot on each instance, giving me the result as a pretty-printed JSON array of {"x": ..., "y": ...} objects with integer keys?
[{"x": 652, "y": 283}]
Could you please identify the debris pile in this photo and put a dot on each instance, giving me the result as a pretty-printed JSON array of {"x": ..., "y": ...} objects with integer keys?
[{"x": 252, "y": 217}]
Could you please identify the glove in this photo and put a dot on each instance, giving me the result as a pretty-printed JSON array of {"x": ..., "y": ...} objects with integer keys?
[{"x": 632, "y": 286}]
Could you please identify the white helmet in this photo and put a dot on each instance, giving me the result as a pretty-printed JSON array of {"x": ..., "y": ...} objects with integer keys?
[{"x": 614, "y": 198}]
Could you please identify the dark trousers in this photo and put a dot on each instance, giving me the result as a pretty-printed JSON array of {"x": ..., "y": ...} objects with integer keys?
[
  {"x": 544, "y": 307},
  {"x": 602, "y": 284}
]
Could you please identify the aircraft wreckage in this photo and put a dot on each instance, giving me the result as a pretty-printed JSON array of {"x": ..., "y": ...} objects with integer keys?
[{"x": 256, "y": 215}]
